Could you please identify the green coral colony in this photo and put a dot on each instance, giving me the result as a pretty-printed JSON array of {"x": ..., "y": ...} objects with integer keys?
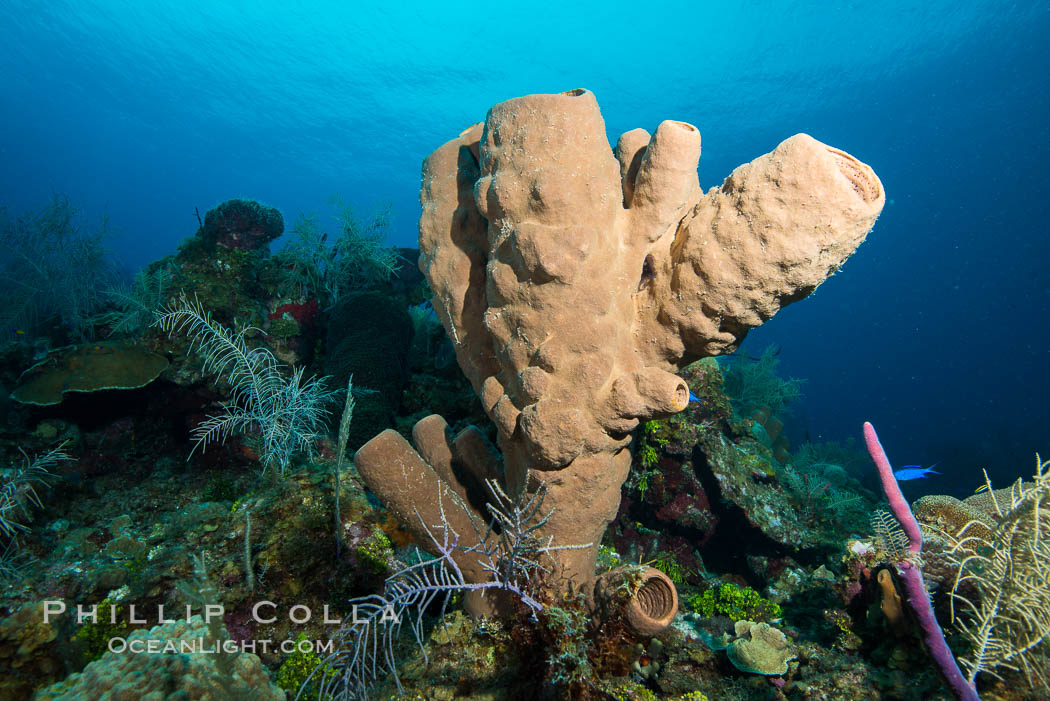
[{"x": 181, "y": 456}]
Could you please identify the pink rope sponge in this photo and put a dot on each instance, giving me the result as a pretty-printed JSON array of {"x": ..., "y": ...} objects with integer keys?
[{"x": 910, "y": 573}]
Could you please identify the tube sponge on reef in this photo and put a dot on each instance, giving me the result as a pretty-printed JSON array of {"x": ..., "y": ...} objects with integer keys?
[{"x": 574, "y": 281}]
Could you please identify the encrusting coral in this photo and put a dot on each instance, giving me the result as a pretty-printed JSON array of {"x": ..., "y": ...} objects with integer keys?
[{"x": 574, "y": 281}]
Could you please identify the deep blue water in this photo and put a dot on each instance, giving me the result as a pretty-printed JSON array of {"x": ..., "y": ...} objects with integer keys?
[{"x": 936, "y": 330}]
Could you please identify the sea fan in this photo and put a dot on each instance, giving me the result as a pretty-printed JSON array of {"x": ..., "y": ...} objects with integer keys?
[{"x": 285, "y": 414}]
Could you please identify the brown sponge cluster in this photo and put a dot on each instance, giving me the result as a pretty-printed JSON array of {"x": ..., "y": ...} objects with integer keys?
[{"x": 574, "y": 280}]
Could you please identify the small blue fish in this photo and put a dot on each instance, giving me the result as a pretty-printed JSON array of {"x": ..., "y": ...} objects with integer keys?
[
  {"x": 915, "y": 472},
  {"x": 694, "y": 398}
]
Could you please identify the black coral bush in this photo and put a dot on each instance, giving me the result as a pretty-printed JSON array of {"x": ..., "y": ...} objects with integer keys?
[{"x": 53, "y": 270}]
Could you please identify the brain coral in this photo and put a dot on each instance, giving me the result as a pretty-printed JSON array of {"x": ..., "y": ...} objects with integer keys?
[{"x": 951, "y": 515}]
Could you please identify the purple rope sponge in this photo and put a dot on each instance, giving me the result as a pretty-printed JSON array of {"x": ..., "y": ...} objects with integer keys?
[{"x": 910, "y": 573}]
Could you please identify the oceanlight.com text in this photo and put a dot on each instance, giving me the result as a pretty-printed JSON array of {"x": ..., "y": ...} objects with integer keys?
[{"x": 202, "y": 646}]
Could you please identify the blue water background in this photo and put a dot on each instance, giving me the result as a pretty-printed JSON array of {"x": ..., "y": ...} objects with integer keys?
[{"x": 936, "y": 330}]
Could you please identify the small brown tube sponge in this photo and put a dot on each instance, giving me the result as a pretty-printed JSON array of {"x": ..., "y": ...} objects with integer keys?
[
  {"x": 574, "y": 282},
  {"x": 651, "y": 601}
]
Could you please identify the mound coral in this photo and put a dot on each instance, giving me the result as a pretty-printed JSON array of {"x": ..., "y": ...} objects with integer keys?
[
  {"x": 244, "y": 225},
  {"x": 574, "y": 281}
]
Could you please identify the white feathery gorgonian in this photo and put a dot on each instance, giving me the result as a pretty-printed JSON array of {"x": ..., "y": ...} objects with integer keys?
[{"x": 284, "y": 413}]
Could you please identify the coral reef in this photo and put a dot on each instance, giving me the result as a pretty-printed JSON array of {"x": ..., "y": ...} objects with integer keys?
[
  {"x": 706, "y": 492},
  {"x": 574, "y": 281},
  {"x": 227, "y": 266},
  {"x": 579, "y": 289}
]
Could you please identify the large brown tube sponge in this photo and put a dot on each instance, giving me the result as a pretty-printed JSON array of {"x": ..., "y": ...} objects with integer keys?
[{"x": 575, "y": 281}]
